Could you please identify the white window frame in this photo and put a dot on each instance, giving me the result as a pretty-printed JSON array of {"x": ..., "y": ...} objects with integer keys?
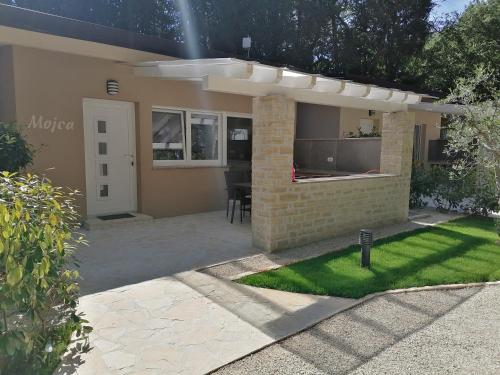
[
  {"x": 184, "y": 146},
  {"x": 186, "y": 133},
  {"x": 212, "y": 163}
]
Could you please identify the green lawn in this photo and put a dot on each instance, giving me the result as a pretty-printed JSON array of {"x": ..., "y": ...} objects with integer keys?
[{"x": 460, "y": 251}]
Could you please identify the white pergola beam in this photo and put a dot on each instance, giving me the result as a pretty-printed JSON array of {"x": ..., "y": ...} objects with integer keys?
[
  {"x": 235, "y": 86},
  {"x": 255, "y": 79}
]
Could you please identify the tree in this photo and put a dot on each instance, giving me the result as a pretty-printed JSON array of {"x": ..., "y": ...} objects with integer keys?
[
  {"x": 475, "y": 135},
  {"x": 15, "y": 152},
  {"x": 463, "y": 44},
  {"x": 384, "y": 35},
  {"x": 154, "y": 17}
]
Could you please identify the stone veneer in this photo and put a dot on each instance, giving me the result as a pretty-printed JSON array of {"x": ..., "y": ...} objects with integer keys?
[{"x": 286, "y": 213}]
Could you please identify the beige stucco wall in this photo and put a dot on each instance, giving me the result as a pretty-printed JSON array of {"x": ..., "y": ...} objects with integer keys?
[
  {"x": 286, "y": 214},
  {"x": 350, "y": 117},
  {"x": 7, "y": 93},
  {"x": 349, "y": 120},
  {"x": 53, "y": 84}
]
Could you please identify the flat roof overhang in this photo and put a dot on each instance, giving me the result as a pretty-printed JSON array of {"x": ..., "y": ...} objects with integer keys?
[{"x": 250, "y": 78}]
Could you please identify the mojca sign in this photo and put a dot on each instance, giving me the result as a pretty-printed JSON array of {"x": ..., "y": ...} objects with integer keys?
[{"x": 50, "y": 125}]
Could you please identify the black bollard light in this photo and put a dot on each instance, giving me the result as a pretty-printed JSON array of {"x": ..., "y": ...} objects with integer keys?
[{"x": 366, "y": 242}]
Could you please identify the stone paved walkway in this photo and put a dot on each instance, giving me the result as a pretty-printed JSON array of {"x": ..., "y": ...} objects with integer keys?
[{"x": 189, "y": 323}]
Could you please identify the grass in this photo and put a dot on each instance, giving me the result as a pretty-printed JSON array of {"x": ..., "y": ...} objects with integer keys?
[{"x": 460, "y": 251}]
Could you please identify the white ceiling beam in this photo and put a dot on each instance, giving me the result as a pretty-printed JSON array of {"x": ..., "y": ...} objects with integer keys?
[
  {"x": 328, "y": 85},
  {"x": 263, "y": 74},
  {"x": 452, "y": 109},
  {"x": 296, "y": 80},
  {"x": 243, "y": 87},
  {"x": 255, "y": 79}
]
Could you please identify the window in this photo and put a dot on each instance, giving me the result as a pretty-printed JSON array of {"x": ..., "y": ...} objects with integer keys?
[
  {"x": 239, "y": 140},
  {"x": 103, "y": 191},
  {"x": 103, "y": 169},
  {"x": 101, "y": 127},
  {"x": 168, "y": 135},
  {"x": 186, "y": 137},
  {"x": 204, "y": 136},
  {"x": 103, "y": 148}
]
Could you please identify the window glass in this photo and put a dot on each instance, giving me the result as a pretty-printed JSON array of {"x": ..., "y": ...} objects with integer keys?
[
  {"x": 103, "y": 168},
  {"x": 168, "y": 136},
  {"x": 204, "y": 137},
  {"x": 103, "y": 191},
  {"x": 103, "y": 148},
  {"x": 239, "y": 140},
  {"x": 101, "y": 127}
]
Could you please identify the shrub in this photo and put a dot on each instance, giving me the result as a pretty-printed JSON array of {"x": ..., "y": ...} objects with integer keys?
[
  {"x": 38, "y": 292},
  {"x": 451, "y": 191},
  {"x": 15, "y": 152},
  {"x": 421, "y": 185},
  {"x": 484, "y": 197}
]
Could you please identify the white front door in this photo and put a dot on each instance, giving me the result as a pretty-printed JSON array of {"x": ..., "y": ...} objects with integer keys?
[{"x": 110, "y": 170}]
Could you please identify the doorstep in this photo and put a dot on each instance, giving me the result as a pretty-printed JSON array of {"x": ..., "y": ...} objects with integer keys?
[{"x": 95, "y": 222}]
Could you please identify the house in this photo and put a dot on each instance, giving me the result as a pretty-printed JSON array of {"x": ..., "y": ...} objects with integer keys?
[{"x": 136, "y": 127}]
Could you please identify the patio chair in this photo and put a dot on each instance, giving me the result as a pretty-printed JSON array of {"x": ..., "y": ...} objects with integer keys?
[
  {"x": 245, "y": 205},
  {"x": 232, "y": 177}
]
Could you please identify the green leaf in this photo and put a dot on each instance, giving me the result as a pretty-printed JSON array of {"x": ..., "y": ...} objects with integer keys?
[
  {"x": 15, "y": 275},
  {"x": 53, "y": 220}
]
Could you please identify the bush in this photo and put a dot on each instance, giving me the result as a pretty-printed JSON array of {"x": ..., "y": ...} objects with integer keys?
[
  {"x": 38, "y": 293},
  {"x": 15, "y": 152},
  {"x": 451, "y": 192},
  {"x": 484, "y": 197},
  {"x": 421, "y": 185}
]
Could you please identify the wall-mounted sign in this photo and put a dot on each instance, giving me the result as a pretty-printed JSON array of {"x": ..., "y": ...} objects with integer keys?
[{"x": 51, "y": 125}]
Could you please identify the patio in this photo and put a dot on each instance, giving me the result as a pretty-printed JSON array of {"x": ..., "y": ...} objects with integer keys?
[
  {"x": 152, "y": 313},
  {"x": 135, "y": 252}
]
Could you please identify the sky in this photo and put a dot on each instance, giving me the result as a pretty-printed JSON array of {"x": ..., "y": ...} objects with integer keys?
[{"x": 448, "y": 6}]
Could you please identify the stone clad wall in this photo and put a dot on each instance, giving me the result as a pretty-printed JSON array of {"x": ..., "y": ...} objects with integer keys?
[{"x": 286, "y": 214}]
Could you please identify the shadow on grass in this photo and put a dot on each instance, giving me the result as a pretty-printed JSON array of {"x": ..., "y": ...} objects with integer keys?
[{"x": 423, "y": 257}]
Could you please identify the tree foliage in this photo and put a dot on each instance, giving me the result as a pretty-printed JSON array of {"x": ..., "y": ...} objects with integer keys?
[
  {"x": 154, "y": 17},
  {"x": 362, "y": 39},
  {"x": 15, "y": 152},
  {"x": 377, "y": 41},
  {"x": 38, "y": 292},
  {"x": 464, "y": 44},
  {"x": 476, "y": 133}
]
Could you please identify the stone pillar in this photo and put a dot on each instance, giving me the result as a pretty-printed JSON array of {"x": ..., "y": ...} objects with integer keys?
[
  {"x": 273, "y": 133},
  {"x": 397, "y": 152},
  {"x": 397, "y": 143}
]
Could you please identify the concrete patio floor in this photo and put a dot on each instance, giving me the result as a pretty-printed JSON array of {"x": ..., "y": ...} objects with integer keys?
[
  {"x": 134, "y": 252},
  {"x": 153, "y": 314}
]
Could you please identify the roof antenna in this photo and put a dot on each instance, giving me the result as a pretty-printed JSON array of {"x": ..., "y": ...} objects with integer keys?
[{"x": 246, "y": 43}]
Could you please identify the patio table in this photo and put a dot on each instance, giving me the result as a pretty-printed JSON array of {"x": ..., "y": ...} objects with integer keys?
[{"x": 242, "y": 189}]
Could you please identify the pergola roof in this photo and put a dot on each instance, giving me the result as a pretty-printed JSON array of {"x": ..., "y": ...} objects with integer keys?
[{"x": 254, "y": 79}]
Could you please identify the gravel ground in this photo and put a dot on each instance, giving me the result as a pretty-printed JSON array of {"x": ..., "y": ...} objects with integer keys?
[
  {"x": 432, "y": 332},
  {"x": 267, "y": 261}
]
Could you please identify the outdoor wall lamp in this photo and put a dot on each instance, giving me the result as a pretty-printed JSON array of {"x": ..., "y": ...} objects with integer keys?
[{"x": 112, "y": 87}]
